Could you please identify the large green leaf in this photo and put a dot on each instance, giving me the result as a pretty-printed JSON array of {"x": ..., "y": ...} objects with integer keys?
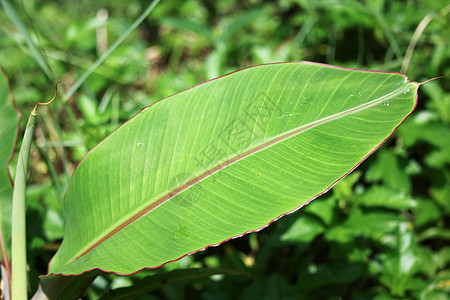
[
  {"x": 221, "y": 159},
  {"x": 9, "y": 121}
]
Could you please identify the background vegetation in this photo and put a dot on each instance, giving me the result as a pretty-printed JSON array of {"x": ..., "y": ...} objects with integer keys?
[{"x": 381, "y": 233}]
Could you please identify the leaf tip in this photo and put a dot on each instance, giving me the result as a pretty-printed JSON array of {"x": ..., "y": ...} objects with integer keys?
[{"x": 431, "y": 79}]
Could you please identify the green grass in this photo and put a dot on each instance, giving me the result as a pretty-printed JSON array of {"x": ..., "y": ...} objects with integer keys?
[{"x": 381, "y": 233}]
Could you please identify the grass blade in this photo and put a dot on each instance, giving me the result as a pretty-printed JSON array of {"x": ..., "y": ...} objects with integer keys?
[
  {"x": 35, "y": 52},
  {"x": 102, "y": 58}
]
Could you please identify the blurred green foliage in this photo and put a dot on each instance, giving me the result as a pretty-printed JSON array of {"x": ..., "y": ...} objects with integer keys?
[{"x": 381, "y": 233}]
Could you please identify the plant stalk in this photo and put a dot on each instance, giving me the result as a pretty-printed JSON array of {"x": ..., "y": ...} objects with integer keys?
[{"x": 19, "y": 281}]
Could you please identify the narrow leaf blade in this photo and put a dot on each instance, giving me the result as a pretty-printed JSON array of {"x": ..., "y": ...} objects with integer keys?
[{"x": 9, "y": 130}]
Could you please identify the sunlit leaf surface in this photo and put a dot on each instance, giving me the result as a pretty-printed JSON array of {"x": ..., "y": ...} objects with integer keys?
[{"x": 221, "y": 159}]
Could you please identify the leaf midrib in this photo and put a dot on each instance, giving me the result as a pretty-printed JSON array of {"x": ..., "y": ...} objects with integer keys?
[{"x": 138, "y": 213}]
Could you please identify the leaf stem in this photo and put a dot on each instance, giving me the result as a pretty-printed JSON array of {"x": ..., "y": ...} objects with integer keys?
[
  {"x": 5, "y": 262},
  {"x": 412, "y": 44},
  {"x": 19, "y": 283}
]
